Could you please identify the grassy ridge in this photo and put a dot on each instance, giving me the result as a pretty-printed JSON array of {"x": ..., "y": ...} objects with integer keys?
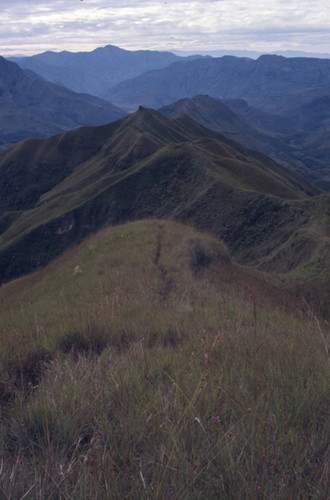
[
  {"x": 146, "y": 364},
  {"x": 305, "y": 151},
  {"x": 144, "y": 165}
]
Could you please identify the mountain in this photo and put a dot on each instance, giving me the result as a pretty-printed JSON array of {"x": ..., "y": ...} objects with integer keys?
[
  {"x": 94, "y": 72},
  {"x": 307, "y": 110},
  {"x": 252, "y": 53},
  {"x": 284, "y": 100},
  {"x": 216, "y": 115},
  {"x": 145, "y": 359},
  {"x": 312, "y": 110},
  {"x": 32, "y": 107},
  {"x": 304, "y": 129},
  {"x": 266, "y": 83},
  {"x": 306, "y": 151},
  {"x": 263, "y": 120},
  {"x": 211, "y": 112},
  {"x": 147, "y": 165}
]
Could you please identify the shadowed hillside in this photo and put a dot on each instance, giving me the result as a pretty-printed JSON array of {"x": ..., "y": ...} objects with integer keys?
[
  {"x": 94, "y": 72},
  {"x": 270, "y": 83},
  {"x": 297, "y": 140},
  {"x": 285, "y": 97},
  {"x": 216, "y": 115},
  {"x": 33, "y": 107},
  {"x": 147, "y": 165}
]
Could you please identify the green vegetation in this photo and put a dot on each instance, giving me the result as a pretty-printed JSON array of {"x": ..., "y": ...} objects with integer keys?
[
  {"x": 297, "y": 138},
  {"x": 146, "y": 165},
  {"x": 150, "y": 361},
  {"x": 145, "y": 363}
]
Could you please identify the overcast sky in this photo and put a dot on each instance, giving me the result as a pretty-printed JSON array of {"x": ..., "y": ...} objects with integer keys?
[{"x": 33, "y": 26}]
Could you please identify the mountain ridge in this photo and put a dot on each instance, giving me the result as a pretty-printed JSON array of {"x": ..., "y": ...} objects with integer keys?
[
  {"x": 164, "y": 305},
  {"x": 264, "y": 82},
  {"x": 301, "y": 151},
  {"x": 93, "y": 72},
  {"x": 33, "y": 107},
  {"x": 173, "y": 169}
]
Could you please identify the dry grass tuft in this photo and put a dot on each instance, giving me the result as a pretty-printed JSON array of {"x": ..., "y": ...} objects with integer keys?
[{"x": 161, "y": 370}]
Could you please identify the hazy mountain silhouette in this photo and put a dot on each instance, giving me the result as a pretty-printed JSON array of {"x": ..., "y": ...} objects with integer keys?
[
  {"x": 96, "y": 71},
  {"x": 33, "y": 107},
  {"x": 268, "y": 83}
]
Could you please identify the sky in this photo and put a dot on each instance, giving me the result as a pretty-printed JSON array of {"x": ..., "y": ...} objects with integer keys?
[{"x": 32, "y": 26}]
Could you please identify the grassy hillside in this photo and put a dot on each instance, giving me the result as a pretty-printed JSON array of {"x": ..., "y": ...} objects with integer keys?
[
  {"x": 216, "y": 115},
  {"x": 300, "y": 143},
  {"x": 147, "y": 165},
  {"x": 146, "y": 364}
]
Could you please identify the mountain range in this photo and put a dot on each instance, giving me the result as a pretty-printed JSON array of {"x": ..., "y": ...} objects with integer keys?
[
  {"x": 164, "y": 284},
  {"x": 270, "y": 83},
  {"x": 155, "y": 79},
  {"x": 306, "y": 151},
  {"x": 96, "y": 71},
  {"x": 55, "y": 191},
  {"x": 282, "y": 103},
  {"x": 285, "y": 96},
  {"x": 32, "y": 107},
  {"x": 221, "y": 165},
  {"x": 253, "y": 54}
]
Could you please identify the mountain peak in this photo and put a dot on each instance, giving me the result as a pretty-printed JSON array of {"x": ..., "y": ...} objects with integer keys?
[
  {"x": 142, "y": 165},
  {"x": 145, "y": 116}
]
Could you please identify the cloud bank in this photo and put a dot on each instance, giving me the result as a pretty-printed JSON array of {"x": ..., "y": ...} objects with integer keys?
[{"x": 33, "y": 26}]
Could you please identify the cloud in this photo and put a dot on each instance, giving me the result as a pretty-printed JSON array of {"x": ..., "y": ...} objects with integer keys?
[{"x": 30, "y": 26}]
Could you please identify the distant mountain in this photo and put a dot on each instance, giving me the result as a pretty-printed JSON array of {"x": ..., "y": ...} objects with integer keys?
[
  {"x": 32, "y": 107},
  {"x": 306, "y": 151},
  {"x": 264, "y": 120},
  {"x": 311, "y": 112},
  {"x": 307, "y": 110},
  {"x": 95, "y": 72},
  {"x": 211, "y": 112},
  {"x": 268, "y": 83},
  {"x": 304, "y": 127},
  {"x": 252, "y": 53},
  {"x": 216, "y": 115},
  {"x": 55, "y": 191}
]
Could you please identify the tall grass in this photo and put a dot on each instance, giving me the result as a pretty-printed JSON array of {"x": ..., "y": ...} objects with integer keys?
[{"x": 171, "y": 374}]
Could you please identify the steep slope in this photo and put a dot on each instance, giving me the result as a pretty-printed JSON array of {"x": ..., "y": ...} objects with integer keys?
[
  {"x": 304, "y": 128},
  {"x": 32, "y": 107},
  {"x": 266, "y": 83},
  {"x": 94, "y": 72},
  {"x": 216, "y": 115},
  {"x": 209, "y": 111},
  {"x": 307, "y": 111},
  {"x": 310, "y": 138},
  {"x": 147, "y": 165},
  {"x": 264, "y": 120},
  {"x": 33, "y": 167},
  {"x": 306, "y": 151}
]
